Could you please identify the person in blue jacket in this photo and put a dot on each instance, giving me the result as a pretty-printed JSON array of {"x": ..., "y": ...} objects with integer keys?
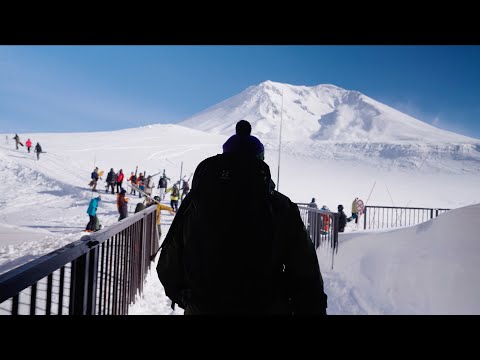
[{"x": 92, "y": 213}]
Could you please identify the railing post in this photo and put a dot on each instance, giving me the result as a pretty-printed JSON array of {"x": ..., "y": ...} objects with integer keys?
[
  {"x": 79, "y": 286},
  {"x": 365, "y": 218},
  {"x": 336, "y": 220},
  {"x": 436, "y": 212},
  {"x": 92, "y": 281},
  {"x": 431, "y": 213}
]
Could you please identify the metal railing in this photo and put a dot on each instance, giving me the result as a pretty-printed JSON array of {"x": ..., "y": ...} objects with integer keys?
[
  {"x": 100, "y": 274},
  {"x": 382, "y": 217},
  {"x": 322, "y": 226}
]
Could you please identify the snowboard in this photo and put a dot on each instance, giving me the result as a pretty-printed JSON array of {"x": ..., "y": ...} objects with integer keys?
[{"x": 360, "y": 206}]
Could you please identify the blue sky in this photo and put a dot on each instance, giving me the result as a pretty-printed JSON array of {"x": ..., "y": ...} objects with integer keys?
[{"x": 97, "y": 88}]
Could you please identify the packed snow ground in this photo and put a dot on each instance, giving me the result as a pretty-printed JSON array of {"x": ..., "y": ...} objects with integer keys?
[{"x": 393, "y": 272}]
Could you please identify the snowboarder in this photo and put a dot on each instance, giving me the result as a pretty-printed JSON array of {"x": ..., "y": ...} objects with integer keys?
[
  {"x": 92, "y": 213},
  {"x": 38, "y": 150},
  {"x": 28, "y": 144},
  {"x": 274, "y": 271},
  {"x": 354, "y": 210},
  {"x": 94, "y": 177},
  {"x": 17, "y": 140}
]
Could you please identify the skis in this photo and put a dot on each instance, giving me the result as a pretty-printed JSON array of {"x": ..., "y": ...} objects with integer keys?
[{"x": 136, "y": 188}]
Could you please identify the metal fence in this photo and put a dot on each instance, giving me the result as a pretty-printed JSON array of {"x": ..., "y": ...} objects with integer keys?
[
  {"x": 100, "y": 274},
  {"x": 322, "y": 226},
  {"x": 382, "y": 217}
]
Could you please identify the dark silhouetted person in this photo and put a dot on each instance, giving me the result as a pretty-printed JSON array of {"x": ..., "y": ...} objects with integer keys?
[
  {"x": 38, "y": 150},
  {"x": 122, "y": 204},
  {"x": 221, "y": 258},
  {"x": 17, "y": 141},
  {"x": 342, "y": 222}
]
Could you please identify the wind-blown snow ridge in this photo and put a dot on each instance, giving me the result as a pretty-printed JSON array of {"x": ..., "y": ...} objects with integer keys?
[
  {"x": 322, "y": 112},
  {"x": 328, "y": 122}
]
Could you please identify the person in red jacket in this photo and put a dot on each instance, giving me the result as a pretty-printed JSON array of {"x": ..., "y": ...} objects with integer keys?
[
  {"x": 120, "y": 177},
  {"x": 29, "y": 144}
]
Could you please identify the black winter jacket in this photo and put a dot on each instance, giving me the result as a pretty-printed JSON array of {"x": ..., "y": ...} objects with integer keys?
[{"x": 254, "y": 267}]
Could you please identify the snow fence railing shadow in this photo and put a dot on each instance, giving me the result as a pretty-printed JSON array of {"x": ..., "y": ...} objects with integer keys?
[
  {"x": 100, "y": 274},
  {"x": 322, "y": 227}
]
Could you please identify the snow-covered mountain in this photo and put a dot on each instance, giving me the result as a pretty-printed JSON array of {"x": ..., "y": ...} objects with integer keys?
[{"x": 329, "y": 122}]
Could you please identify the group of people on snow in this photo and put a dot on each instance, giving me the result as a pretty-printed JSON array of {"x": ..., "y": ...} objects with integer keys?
[
  {"x": 28, "y": 144},
  {"x": 146, "y": 185},
  {"x": 323, "y": 222}
]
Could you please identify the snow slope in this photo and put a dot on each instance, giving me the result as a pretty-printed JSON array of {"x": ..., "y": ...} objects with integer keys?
[
  {"x": 428, "y": 269},
  {"x": 47, "y": 199}
]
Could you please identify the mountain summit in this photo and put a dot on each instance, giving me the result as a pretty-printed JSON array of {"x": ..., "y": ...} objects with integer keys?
[{"x": 322, "y": 112}]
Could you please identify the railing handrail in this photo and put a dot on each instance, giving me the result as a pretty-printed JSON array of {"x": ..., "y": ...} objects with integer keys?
[
  {"x": 316, "y": 210},
  {"x": 18, "y": 279},
  {"x": 403, "y": 207}
]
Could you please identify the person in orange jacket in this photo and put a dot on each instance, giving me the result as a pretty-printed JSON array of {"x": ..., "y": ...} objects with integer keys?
[{"x": 326, "y": 219}]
